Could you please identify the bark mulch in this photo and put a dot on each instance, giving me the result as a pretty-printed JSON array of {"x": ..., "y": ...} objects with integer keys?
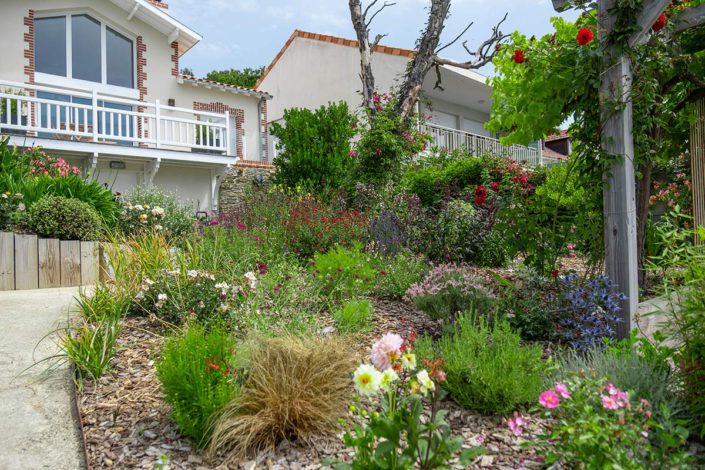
[{"x": 126, "y": 421}]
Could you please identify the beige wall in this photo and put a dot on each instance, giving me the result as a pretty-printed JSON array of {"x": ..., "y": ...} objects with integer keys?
[{"x": 160, "y": 83}]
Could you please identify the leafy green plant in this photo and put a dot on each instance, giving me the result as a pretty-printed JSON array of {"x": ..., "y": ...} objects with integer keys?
[
  {"x": 197, "y": 371},
  {"x": 528, "y": 303},
  {"x": 396, "y": 274},
  {"x": 246, "y": 77},
  {"x": 314, "y": 147},
  {"x": 354, "y": 316},
  {"x": 11, "y": 209},
  {"x": 613, "y": 427},
  {"x": 343, "y": 272},
  {"x": 449, "y": 289},
  {"x": 396, "y": 432},
  {"x": 487, "y": 368},
  {"x": 64, "y": 218},
  {"x": 152, "y": 208}
]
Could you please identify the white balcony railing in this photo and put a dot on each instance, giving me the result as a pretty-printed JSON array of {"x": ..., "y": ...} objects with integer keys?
[
  {"x": 89, "y": 116},
  {"x": 454, "y": 139}
]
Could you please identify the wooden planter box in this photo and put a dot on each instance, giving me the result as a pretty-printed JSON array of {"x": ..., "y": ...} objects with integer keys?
[{"x": 29, "y": 262}]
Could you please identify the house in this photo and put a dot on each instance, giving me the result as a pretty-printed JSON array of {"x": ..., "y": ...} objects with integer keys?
[
  {"x": 97, "y": 82},
  {"x": 557, "y": 146},
  {"x": 314, "y": 69}
]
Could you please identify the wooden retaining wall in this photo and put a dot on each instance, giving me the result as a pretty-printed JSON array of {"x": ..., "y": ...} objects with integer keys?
[{"x": 29, "y": 262}]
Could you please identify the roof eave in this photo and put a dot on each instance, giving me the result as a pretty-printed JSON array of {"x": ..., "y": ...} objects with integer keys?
[{"x": 225, "y": 88}]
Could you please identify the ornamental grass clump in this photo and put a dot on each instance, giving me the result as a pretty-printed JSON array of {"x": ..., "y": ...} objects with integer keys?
[{"x": 296, "y": 389}]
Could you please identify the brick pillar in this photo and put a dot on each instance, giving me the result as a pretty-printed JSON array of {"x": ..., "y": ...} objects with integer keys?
[
  {"x": 264, "y": 122},
  {"x": 29, "y": 69},
  {"x": 175, "y": 59},
  {"x": 141, "y": 84}
]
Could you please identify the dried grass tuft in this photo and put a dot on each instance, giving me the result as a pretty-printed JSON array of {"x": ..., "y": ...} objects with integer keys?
[{"x": 296, "y": 389}]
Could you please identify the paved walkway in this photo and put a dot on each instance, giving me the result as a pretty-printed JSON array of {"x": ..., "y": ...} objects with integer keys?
[{"x": 36, "y": 409}]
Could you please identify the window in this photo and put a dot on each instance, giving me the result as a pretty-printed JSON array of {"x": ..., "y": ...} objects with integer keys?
[
  {"x": 119, "y": 58},
  {"x": 83, "y": 48},
  {"x": 50, "y": 45}
]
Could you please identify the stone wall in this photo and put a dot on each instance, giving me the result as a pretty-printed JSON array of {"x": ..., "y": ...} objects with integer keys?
[{"x": 244, "y": 177}]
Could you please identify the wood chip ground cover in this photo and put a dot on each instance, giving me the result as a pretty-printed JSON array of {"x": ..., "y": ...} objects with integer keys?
[{"x": 126, "y": 421}]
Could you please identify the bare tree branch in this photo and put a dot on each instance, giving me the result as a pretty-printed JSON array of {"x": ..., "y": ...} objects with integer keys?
[
  {"x": 368, "y": 22},
  {"x": 482, "y": 56},
  {"x": 456, "y": 38},
  {"x": 372, "y": 3},
  {"x": 378, "y": 38},
  {"x": 363, "y": 40}
]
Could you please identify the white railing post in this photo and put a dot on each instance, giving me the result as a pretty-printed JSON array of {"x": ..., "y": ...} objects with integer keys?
[
  {"x": 158, "y": 124},
  {"x": 228, "y": 143},
  {"x": 95, "y": 114}
]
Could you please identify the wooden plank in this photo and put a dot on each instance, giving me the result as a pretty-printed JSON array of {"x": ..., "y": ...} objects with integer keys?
[
  {"x": 7, "y": 261},
  {"x": 26, "y": 262},
  {"x": 697, "y": 165},
  {"x": 70, "y": 263},
  {"x": 650, "y": 11},
  {"x": 690, "y": 18},
  {"x": 89, "y": 263},
  {"x": 49, "y": 263}
]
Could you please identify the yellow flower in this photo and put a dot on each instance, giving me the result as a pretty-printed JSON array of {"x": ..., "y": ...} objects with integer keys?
[
  {"x": 389, "y": 376},
  {"x": 408, "y": 361},
  {"x": 425, "y": 382},
  {"x": 367, "y": 380}
]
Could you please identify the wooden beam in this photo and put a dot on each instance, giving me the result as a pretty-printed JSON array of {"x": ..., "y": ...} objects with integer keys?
[
  {"x": 697, "y": 165},
  {"x": 561, "y": 5},
  {"x": 619, "y": 194},
  {"x": 133, "y": 12},
  {"x": 689, "y": 18},
  {"x": 650, "y": 12}
]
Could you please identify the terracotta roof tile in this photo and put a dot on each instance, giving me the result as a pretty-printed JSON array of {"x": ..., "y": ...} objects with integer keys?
[{"x": 562, "y": 134}]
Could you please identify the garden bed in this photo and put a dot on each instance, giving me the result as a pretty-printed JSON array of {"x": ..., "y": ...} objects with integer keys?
[{"x": 127, "y": 425}]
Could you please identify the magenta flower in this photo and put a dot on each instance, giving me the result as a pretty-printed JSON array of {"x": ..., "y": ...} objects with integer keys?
[
  {"x": 609, "y": 402},
  {"x": 516, "y": 425},
  {"x": 562, "y": 390},
  {"x": 241, "y": 226},
  {"x": 549, "y": 399}
]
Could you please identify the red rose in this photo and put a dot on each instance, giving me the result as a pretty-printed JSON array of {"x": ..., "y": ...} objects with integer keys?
[
  {"x": 660, "y": 23},
  {"x": 585, "y": 36},
  {"x": 480, "y": 195},
  {"x": 519, "y": 56},
  {"x": 495, "y": 186}
]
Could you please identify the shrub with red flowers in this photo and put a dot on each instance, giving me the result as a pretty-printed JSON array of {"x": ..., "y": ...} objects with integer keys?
[
  {"x": 585, "y": 36},
  {"x": 480, "y": 194},
  {"x": 518, "y": 56},
  {"x": 615, "y": 429},
  {"x": 314, "y": 227}
]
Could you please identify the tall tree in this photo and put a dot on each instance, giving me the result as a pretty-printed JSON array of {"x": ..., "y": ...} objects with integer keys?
[{"x": 428, "y": 48}]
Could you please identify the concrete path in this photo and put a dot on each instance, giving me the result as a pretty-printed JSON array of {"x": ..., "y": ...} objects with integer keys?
[{"x": 37, "y": 411}]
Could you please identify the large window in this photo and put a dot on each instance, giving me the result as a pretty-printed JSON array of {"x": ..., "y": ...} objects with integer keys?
[{"x": 83, "y": 48}]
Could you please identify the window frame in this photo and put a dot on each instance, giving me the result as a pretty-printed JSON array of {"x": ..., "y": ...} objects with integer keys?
[{"x": 68, "y": 81}]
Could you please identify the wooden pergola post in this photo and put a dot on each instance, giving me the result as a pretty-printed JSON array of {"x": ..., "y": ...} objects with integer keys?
[{"x": 697, "y": 165}]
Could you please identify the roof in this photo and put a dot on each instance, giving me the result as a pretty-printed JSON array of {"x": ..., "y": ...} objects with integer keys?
[
  {"x": 549, "y": 153},
  {"x": 332, "y": 40},
  {"x": 159, "y": 19},
  {"x": 562, "y": 134},
  {"x": 222, "y": 86}
]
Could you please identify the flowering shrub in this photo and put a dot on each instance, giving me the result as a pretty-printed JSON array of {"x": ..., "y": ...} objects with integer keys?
[
  {"x": 487, "y": 368},
  {"x": 449, "y": 289},
  {"x": 387, "y": 233},
  {"x": 175, "y": 296},
  {"x": 64, "y": 218},
  {"x": 154, "y": 209},
  {"x": 596, "y": 425},
  {"x": 343, "y": 272},
  {"x": 315, "y": 227},
  {"x": 198, "y": 375},
  {"x": 675, "y": 193},
  {"x": 55, "y": 167},
  {"x": 398, "y": 433},
  {"x": 588, "y": 311},
  {"x": 11, "y": 206}
]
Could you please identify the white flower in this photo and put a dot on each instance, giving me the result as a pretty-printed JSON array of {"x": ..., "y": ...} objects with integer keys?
[
  {"x": 389, "y": 376},
  {"x": 367, "y": 380},
  {"x": 162, "y": 297},
  {"x": 140, "y": 295},
  {"x": 158, "y": 227},
  {"x": 223, "y": 308},
  {"x": 139, "y": 207},
  {"x": 222, "y": 286},
  {"x": 192, "y": 274},
  {"x": 408, "y": 361},
  {"x": 251, "y": 279},
  {"x": 235, "y": 289},
  {"x": 4, "y": 196},
  {"x": 147, "y": 281},
  {"x": 158, "y": 212},
  {"x": 21, "y": 207},
  {"x": 425, "y": 383}
]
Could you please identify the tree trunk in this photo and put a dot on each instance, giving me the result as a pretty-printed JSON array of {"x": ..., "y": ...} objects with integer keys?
[
  {"x": 423, "y": 60},
  {"x": 363, "y": 40},
  {"x": 643, "y": 192}
]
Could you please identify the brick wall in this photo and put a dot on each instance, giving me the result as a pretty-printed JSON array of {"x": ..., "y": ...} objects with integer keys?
[
  {"x": 264, "y": 129},
  {"x": 237, "y": 114},
  {"x": 175, "y": 59},
  {"x": 29, "y": 69}
]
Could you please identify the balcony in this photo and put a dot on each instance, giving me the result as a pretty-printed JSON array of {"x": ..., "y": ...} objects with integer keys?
[
  {"x": 83, "y": 116},
  {"x": 454, "y": 139}
]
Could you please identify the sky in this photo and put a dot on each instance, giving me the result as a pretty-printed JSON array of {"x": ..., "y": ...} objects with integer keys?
[{"x": 249, "y": 33}]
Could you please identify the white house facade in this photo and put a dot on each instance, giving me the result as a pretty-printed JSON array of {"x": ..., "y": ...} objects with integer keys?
[
  {"x": 97, "y": 82},
  {"x": 314, "y": 69}
]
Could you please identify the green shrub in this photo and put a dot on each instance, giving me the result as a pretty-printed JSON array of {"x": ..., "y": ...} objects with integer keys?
[
  {"x": 528, "y": 302},
  {"x": 197, "y": 371},
  {"x": 354, "y": 316},
  {"x": 396, "y": 274},
  {"x": 449, "y": 289},
  {"x": 152, "y": 208},
  {"x": 64, "y": 218},
  {"x": 487, "y": 368},
  {"x": 343, "y": 272},
  {"x": 314, "y": 147},
  {"x": 11, "y": 209}
]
